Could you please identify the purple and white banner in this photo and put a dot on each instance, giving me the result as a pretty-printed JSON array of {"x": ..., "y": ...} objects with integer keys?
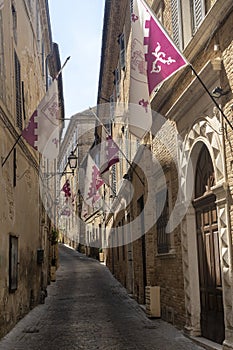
[
  {"x": 93, "y": 182},
  {"x": 42, "y": 132},
  {"x": 154, "y": 58}
]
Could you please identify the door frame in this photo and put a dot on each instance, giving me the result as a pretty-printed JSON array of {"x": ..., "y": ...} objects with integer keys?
[{"x": 189, "y": 247}]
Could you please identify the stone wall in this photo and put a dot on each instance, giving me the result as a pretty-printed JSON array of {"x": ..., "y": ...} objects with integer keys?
[{"x": 22, "y": 214}]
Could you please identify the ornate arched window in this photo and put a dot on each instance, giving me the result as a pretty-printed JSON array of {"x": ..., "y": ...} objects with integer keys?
[{"x": 204, "y": 173}]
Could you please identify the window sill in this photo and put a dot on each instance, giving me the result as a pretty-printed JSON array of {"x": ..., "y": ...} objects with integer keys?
[{"x": 170, "y": 255}]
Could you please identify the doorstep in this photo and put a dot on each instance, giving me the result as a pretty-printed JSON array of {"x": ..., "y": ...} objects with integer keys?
[{"x": 205, "y": 343}]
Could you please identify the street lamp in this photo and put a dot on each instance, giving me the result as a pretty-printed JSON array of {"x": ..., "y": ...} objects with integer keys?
[{"x": 72, "y": 161}]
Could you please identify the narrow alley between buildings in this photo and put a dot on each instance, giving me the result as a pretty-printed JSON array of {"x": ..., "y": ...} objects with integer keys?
[{"x": 87, "y": 308}]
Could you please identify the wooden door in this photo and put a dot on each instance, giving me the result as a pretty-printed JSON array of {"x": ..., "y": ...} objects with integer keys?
[
  {"x": 143, "y": 248},
  {"x": 212, "y": 316},
  {"x": 210, "y": 279}
]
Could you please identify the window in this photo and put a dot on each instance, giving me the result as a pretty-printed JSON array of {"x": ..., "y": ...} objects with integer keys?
[
  {"x": 14, "y": 22},
  {"x": 123, "y": 240},
  {"x": 127, "y": 148},
  {"x": 176, "y": 23},
  {"x": 108, "y": 126},
  {"x": 18, "y": 92},
  {"x": 117, "y": 81},
  {"x": 198, "y": 10},
  {"x": 117, "y": 243},
  {"x": 158, "y": 8},
  {"x": 122, "y": 50},
  {"x": 187, "y": 17},
  {"x": 131, "y": 8},
  {"x": 112, "y": 107},
  {"x": 13, "y": 263},
  {"x": 2, "y": 66},
  {"x": 43, "y": 62},
  {"x": 114, "y": 179},
  {"x": 207, "y": 5},
  {"x": 14, "y": 168},
  {"x": 162, "y": 213}
]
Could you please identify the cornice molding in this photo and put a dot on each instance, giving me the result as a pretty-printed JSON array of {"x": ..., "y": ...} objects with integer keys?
[
  {"x": 208, "y": 28},
  {"x": 192, "y": 93}
]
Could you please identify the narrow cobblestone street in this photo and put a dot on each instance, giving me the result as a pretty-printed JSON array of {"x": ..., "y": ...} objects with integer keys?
[{"x": 87, "y": 308}]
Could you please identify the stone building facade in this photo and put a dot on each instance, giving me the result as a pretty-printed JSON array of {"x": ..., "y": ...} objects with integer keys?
[
  {"x": 78, "y": 138},
  {"x": 28, "y": 61},
  {"x": 185, "y": 246}
]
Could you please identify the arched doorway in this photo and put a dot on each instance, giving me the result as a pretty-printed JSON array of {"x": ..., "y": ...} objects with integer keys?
[{"x": 210, "y": 279}]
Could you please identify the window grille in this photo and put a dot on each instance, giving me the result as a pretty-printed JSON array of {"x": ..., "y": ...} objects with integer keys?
[{"x": 162, "y": 209}]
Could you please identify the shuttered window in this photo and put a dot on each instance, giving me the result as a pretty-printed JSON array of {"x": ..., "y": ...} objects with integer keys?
[
  {"x": 117, "y": 82},
  {"x": 177, "y": 23},
  {"x": 162, "y": 211},
  {"x": 18, "y": 92},
  {"x": 114, "y": 178},
  {"x": 13, "y": 263},
  {"x": 122, "y": 51},
  {"x": 131, "y": 8},
  {"x": 198, "y": 13}
]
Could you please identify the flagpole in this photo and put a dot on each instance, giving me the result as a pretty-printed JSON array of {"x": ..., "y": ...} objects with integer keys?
[
  {"x": 62, "y": 67},
  {"x": 130, "y": 164},
  {"x": 212, "y": 98}
]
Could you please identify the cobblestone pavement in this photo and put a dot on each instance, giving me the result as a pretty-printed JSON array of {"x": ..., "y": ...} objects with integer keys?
[{"x": 87, "y": 308}]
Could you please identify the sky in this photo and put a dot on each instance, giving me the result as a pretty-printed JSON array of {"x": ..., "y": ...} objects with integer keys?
[{"x": 77, "y": 29}]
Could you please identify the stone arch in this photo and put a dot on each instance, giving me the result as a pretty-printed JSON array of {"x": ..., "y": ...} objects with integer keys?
[{"x": 204, "y": 132}]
